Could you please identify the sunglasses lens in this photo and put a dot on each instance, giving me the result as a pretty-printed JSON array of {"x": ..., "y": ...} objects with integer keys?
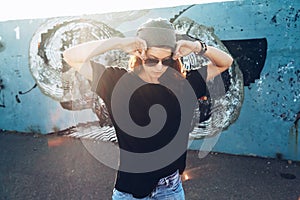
[
  {"x": 151, "y": 62},
  {"x": 168, "y": 62}
]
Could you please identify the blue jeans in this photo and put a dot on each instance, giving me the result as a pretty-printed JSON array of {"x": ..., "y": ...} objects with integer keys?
[{"x": 168, "y": 188}]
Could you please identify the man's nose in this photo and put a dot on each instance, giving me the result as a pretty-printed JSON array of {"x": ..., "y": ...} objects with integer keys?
[{"x": 159, "y": 65}]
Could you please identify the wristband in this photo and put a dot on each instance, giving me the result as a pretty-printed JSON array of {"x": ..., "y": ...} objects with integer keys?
[{"x": 203, "y": 47}]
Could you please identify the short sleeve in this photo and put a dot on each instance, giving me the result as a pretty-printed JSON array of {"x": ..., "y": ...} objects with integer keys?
[
  {"x": 104, "y": 81},
  {"x": 97, "y": 70},
  {"x": 197, "y": 79}
]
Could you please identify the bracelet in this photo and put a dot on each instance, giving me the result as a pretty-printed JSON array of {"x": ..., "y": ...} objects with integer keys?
[{"x": 203, "y": 47}]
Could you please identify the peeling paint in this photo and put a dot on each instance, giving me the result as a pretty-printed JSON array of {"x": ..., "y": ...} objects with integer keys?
[
  {"x": 287, "y": 16},
  {"x": 33, "y": 129},
  {"x": 283, "y": 104},
  {"x": 294, "y": 133},
  {"x": 2, "y": 87},
  {"x": 2, "y": 45},
  {"x": 297, "y": 120}
]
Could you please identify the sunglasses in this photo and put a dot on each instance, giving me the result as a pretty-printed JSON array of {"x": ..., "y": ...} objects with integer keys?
[{"x": 151, "y": 62}]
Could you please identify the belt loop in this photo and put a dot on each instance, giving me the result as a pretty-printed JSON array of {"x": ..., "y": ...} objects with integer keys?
[{"x": 167, "y": 181}]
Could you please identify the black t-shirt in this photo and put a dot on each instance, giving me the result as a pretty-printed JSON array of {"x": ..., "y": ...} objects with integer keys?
[{"x": 129, "y": 101}]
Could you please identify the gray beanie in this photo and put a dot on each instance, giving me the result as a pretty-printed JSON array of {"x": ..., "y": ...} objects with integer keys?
[{"x": 158, "y": 33}]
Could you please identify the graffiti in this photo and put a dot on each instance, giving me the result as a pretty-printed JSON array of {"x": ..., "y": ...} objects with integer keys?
[
  {"x": 53, "y": 76},
  {"x": 250, "y": 55},
  {"x": 21, "y": 93},
  {"x": 18, "y": 99},
  {"x": 35, "y": 85},
  {"x": 260, "y": 35},
  {"x": 173, "y": 19},
  {"x": 232, "y": 81},
  {"x": 57, "y": 80},
  {"x": 60, "y": 82}
]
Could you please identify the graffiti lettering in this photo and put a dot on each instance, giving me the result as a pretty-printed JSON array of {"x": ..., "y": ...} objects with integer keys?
[
  {"x": 18, "y": 99},
  {"x": 20, "y": 92}
]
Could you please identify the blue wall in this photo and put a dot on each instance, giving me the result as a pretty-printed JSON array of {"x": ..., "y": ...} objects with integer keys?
[{"x": 267, "y": 123}]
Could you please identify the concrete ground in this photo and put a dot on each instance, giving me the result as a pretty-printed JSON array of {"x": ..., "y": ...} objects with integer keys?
[{"x": 57, "y": 167}]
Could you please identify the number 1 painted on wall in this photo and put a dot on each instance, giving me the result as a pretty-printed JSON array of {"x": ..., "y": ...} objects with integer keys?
[{"x": 17, "y": 30}]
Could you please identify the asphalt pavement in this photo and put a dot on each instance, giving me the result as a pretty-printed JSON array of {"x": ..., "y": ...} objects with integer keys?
[{"x": 34, "y": 166}]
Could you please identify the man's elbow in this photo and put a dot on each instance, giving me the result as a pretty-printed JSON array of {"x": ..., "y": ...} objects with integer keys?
[
  {"x": 229, "y": 62},
  {"x": 66, "y": 57}
]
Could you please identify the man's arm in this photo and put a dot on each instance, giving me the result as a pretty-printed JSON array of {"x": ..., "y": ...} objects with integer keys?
[
  {"x": 220, "y": 60},
  {"x": 79, "y": 56}
]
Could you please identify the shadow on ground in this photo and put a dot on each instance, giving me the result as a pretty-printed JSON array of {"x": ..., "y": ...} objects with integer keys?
[{"x": 57, "y": 167}]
